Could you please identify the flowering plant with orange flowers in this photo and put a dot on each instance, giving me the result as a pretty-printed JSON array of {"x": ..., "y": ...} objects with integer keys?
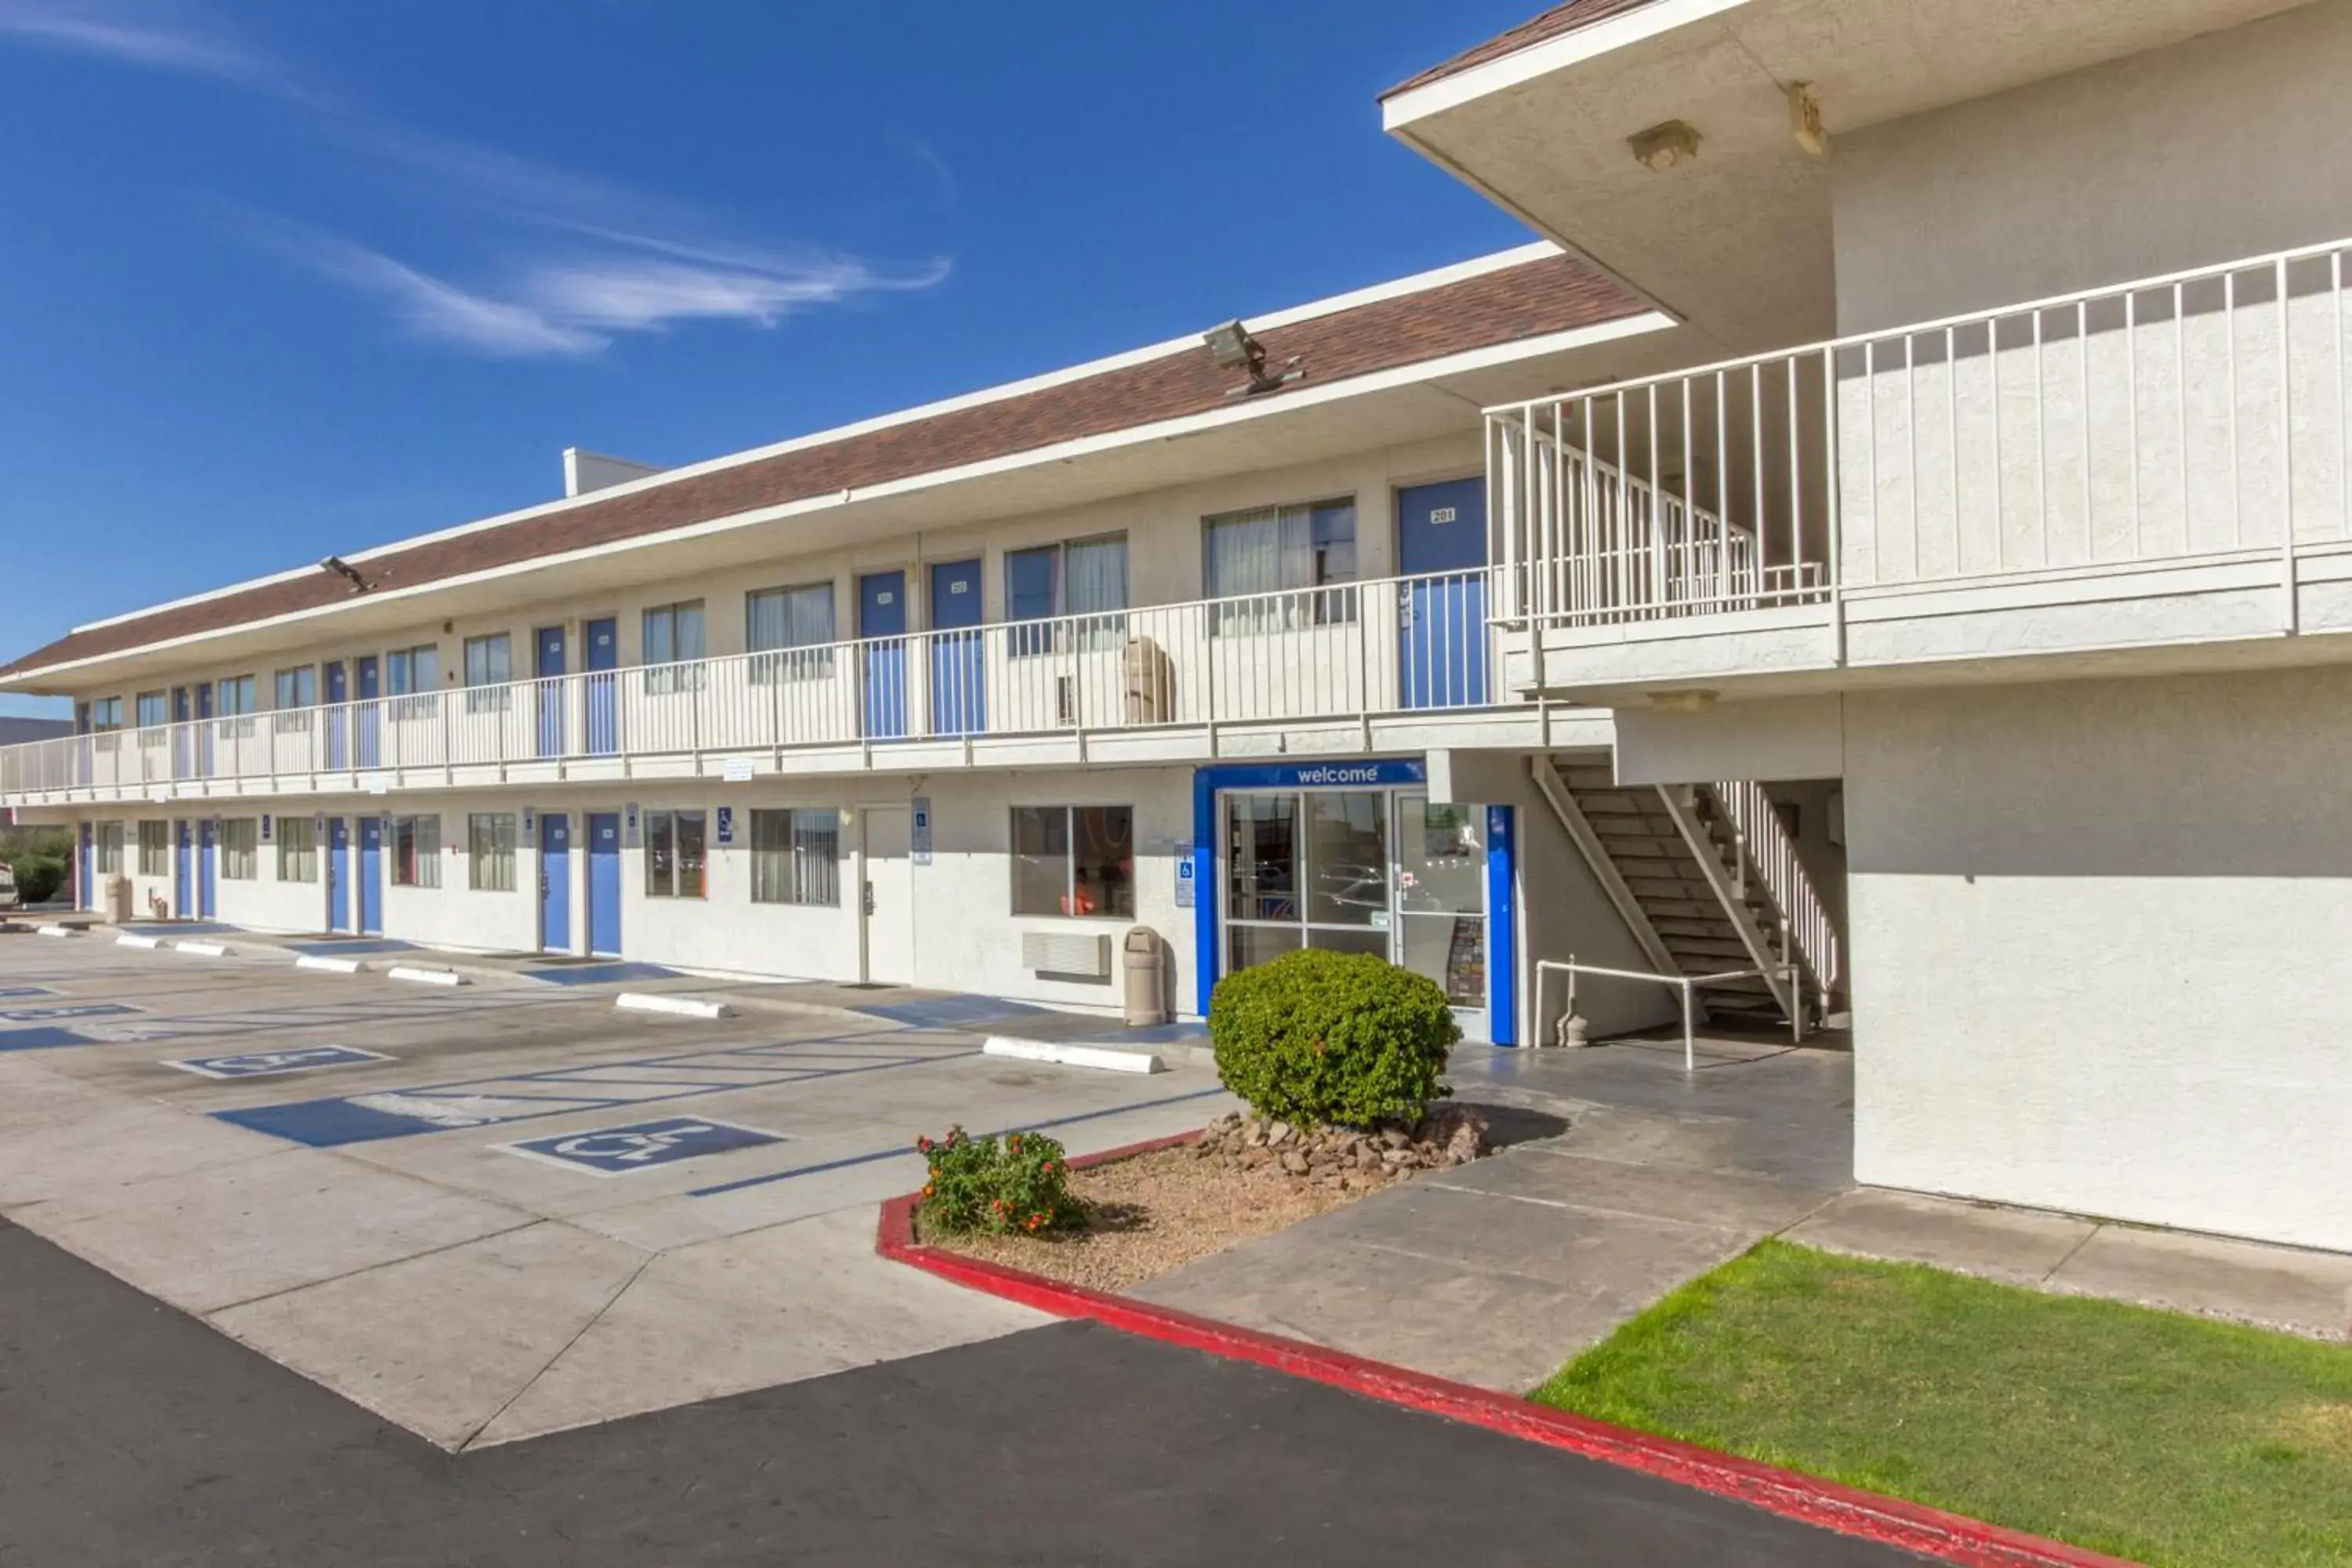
[{"x": 1015, "y": 1185}]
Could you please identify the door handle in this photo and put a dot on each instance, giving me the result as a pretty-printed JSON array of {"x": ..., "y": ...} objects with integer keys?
[{"x": 870, "y": 897}]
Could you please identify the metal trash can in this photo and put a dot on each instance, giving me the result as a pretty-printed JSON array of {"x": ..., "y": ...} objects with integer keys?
[
  {"x": 118, "y": 907},
  {"x": 1139, "y": 958}
]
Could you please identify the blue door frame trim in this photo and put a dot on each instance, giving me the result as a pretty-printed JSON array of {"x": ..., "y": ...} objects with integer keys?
[{"x": 1208, "y": 897}]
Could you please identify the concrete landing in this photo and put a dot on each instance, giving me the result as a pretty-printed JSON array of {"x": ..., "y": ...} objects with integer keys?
[{"x": 1623, "y": 1179}]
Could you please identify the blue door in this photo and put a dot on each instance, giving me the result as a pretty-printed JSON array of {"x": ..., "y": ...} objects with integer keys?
[
  {"x": 367, "y": 713},
  {"x": 603, "y": 707},
  {"x": 338, "y": 718},
  {"x": 605, "y": 883},
  {"x": 205, "y": 731},
  {"x": 339, "y": 874},
  {"x": 179, "y": 735},
  {"x": 555, "y": 881},
  {"x": 208, "y": 868},
  {"x": 958, "y": 665},
  {"x": 87, "y": 887},
  {"x": 1442, "y": 613},
  {"x": 549, "y": 671},
  {"x": 371, "y": 876},
  {"x": 882, "y": 621},
  {"x": 183, "y": 868}
]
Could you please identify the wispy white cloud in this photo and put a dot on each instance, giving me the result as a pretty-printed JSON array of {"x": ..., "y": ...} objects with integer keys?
[
  {"x": 577, "y": 306},
  {"x": 572, "y": 261},
  {"x": 153, "y": 37}
]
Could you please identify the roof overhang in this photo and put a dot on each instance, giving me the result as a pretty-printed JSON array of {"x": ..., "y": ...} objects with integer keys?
[
  {"x": 1737, "y": 240},
  {"x": 1307, "y": 423}
]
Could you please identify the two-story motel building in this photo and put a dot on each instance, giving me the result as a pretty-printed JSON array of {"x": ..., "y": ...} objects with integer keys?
[{"x": 1976, "y": 665}]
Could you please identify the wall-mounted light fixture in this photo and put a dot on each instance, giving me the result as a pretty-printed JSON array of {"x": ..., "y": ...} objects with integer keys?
[
  {"x": 1805, "y": 119},
  {"x": 344, "y": 569},
  {"x": 1663, "y": 146},
  {"x": 1233, "y": 348}
]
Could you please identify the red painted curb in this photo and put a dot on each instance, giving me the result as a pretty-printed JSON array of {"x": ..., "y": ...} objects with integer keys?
[{"x": 1849, "y": 1511}]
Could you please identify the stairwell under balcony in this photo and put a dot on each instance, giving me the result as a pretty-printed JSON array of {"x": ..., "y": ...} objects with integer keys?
[{"x": 1708, "y": 879}]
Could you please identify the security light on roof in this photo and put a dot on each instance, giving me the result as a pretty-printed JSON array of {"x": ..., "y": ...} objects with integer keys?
[
  {"x": 1233, "y": 348},
  {"x": 342, "y": 568}
]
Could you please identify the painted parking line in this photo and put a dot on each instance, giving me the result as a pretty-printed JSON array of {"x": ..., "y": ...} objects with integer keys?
[
  {"x": 641, "y": 1145},
  {"x": 907, "y": 1150},
  {"x": 341, "y": 948},
  {"x": 43, "y": 1039},
  {"x": 18, "y": 993},
  {"x": 66, "y": 1010},
  {"x": 599, "y": 974},
  {"x": 568, "y": 1090},
  {"x": 271, "y": 1064}
]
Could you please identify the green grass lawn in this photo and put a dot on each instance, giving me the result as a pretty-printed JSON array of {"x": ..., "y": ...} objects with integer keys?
[{"x": 2167, "y": 1438}]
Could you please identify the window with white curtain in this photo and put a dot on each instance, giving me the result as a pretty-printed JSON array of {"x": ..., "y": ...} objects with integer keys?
[
  {"x": 673, "y": 636},
  {"x": 412, "y": 675},
  {"x": 796, "y": 858},
  {"x": 416, "y": 851},
  {"x": 1083, "y": 580},
  {"x": 1281, "y": 566},
  {"x": 490, "y": 851},
  {"x": 298, "y": 850},
  {"x": 154, "y": 849},
  {"x": 489, "y": 665},
  {"x": 153, "y": 710},
  {"x": 789, "y": 632},
  {"x": 241, "y": 850},
  {"x": 106, "y": 842}
]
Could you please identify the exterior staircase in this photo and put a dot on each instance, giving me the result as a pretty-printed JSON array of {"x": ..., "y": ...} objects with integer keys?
[{"x": 1707, "y": 880}]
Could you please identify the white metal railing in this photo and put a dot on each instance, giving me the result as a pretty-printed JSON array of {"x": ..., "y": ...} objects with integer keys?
[
  {"x": 1686, "y": 985},
  {"x": 2199, "y": 414},
  {"x": 1768, "y": 848},
  {"x": 1350, "y": 651}
]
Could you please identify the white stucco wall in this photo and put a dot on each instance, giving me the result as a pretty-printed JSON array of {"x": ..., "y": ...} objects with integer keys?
[
  {"x": 2099, "y": 941},
  {"x": 2181, "y": 157}
]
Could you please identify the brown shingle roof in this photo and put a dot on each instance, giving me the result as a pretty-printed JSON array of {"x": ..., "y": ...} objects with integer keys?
[
  {"x": 1562, "y": 19},
  {"x": 1526, "y": 299}
]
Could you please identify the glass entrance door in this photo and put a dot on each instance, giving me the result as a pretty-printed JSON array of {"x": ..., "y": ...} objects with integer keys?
[{"x": 1378, "y": 871}]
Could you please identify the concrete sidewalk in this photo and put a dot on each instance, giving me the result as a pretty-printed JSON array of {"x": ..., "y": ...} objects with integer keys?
[
  {"x": 2287, "y": 1287},
  {"x": 1623, "y": 1179}
]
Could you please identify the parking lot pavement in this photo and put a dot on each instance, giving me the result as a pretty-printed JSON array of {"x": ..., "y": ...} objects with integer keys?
[
  {"x": 135, "y": 1435},
  {"x": 502, "y": 1209}
]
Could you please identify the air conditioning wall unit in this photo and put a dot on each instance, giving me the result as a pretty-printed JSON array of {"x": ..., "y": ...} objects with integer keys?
[{"x": 1082, "y": 954}]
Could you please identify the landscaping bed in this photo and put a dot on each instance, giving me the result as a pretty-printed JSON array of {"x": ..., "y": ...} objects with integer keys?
[
  {"x": 1148, "y": 1214},
  {"x": 2176, "y": 1441}
]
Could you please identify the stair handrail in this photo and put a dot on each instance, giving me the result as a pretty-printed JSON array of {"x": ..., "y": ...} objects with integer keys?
[{"x": 1766, "y": 845}]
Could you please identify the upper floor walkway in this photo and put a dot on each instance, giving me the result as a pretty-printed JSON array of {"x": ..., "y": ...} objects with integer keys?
[
  {"x": 2127, "y": 471},
  {"x": 1398, "y": 664}
]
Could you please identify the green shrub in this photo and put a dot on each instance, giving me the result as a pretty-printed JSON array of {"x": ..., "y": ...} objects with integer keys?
[
  {"x": 1019, "y": 1187},
  {"x": 38, "y": 877},
  {"x": 1320, "y": 1037}
]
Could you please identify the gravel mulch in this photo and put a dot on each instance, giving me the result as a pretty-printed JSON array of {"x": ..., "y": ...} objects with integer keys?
[{"x": 1155, "y": 1213}]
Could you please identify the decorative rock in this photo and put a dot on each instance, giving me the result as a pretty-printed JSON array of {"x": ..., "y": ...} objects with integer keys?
[
  {"x": 1278, "y": 1134},
  {"x": 1395, "y": 1137},
  {"x": 1294, "y": 1162}
]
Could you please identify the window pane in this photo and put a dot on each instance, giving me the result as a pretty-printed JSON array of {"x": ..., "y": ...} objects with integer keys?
[
  {"x": 1246, "y": 945},
  {"x": 772, "y": 853},
  {"x": 1097, "y": 574},
  {"x": 1346, "y": 857},
  {"x": 1041, "y": 860},
  {"x": 1442, "y": 864},
  {"x": 486, "y": 661},
  {"x": 428, "y": 668},
  {"x": 1102, "y": 854},
  {"x": 1331, "y": 542},
  {"x": 687, "y": 622},
  {"x": 153, "y": 710},
  {"x": 1450, "y": 950},
  {"x": 817, "y": 857},
  {"x": 689, "y": 854},
  {"x": 1375, "y": 942},
  {"x": 1242, "y": 555},
  {"x": 1262, "y": 857},
  {"x": 661, "y": 854}
]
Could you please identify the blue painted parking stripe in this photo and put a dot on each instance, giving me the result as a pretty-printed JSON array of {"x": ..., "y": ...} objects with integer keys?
[
  {"x": 43, "y": 1039},
  {"x": 13, "y": 993},
  {"x": 66, "y": 1010},
  {"x": 879, "y": 1155},
  {"x": 599, "y": 974}
]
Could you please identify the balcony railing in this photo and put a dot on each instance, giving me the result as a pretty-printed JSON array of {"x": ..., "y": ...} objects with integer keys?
[
  {"x": 2199, "y": 414},
  {"x": 1345, "y": 651}
]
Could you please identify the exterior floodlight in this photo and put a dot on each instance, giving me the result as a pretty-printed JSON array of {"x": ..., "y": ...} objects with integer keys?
[
  {"x": 342, "y": 568},
  {"x": 1233, "y": 348}
]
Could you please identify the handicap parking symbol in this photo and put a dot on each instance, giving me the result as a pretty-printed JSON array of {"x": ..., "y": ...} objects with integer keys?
[
  {"x": 68, "y": 1010},
  {"x": 269, "y": 1063},
  {"x": 641, "y": 1145}
]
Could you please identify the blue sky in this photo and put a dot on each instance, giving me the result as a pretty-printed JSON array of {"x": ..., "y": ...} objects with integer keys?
[{"x": 284, "y": 281}]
